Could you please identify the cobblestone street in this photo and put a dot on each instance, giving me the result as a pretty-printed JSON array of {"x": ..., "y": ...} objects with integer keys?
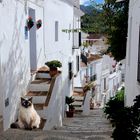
[{"x": 92, "y": 127}]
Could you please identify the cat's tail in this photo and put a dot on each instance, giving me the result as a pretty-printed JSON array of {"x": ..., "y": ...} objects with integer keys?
[{"x": 14, "y": 125}]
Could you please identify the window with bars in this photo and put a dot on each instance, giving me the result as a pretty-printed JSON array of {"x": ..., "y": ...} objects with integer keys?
[
  {"x": 77, "y": 62},
  {"x": 138, "y": 73},
  {"x": 56, "y": 30}
]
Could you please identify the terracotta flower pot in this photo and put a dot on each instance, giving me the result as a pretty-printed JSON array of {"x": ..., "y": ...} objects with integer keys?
[
  {"x": 70, "y": 113},
  {"x": 53, "y": 71}
]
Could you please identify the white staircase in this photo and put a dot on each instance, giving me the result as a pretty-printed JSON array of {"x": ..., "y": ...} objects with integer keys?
[
  {"x": 43, "y": 90},
  {"x": 39, "y": 89}
]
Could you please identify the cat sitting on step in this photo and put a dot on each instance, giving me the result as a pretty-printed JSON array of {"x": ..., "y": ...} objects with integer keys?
[{"x": 27, "y": 117}]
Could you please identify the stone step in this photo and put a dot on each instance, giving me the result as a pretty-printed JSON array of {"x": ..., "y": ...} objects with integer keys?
[
  {"x": 78, "y": 109},
  {"x": 43, "y": 75},
  {"x": 37, "y": 93},
  {"x": 40, "y": 81},
  {"x": 39, "y": 85},
  {"x": 78, "y": 98},
  {"x": 38, "y": 96},
  {"x": 77, "y": 103},
  {"x": 38, "y": 106},
  {"x": 41, "y": 109}
]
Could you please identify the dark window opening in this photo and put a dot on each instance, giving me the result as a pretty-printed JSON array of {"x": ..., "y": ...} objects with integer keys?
[{"x": 138, "y": 73}]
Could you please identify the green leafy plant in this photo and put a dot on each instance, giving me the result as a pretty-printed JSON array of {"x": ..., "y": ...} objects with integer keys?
[
  {"x": 29, "y": 23},
  {"x": 125, "y": 120},
  {"x": 114, "y": 106},
  {"x": 69, "y": 101},
  {"x": 39, "y": 23},
  {"x": 54, "y": 63}
]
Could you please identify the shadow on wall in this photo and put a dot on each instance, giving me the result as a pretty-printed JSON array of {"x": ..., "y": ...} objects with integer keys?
[{"x": 14, "y": 70}]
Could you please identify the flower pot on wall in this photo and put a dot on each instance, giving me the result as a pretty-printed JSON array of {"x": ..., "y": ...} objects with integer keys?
[
  {"x": 53, "y": 65},
  {"x": 30, "y": 23},
  {"x": 38, "y": 23},
  {"x": 70, "y": 113},
  {"x": 53, "y": 71}
]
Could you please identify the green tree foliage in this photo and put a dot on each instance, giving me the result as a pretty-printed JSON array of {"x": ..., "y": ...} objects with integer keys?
[
  {"x": 125, "y": 120},
  {"x": 111, "y": 19},
  {"x": 92, "y": 21},
  {"x": 116, "y": 21}
]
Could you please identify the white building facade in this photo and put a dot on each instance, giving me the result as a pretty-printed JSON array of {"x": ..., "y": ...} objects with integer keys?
[
  {"x": 23, "y": 51},
  {"x": 132, "y": 80}
]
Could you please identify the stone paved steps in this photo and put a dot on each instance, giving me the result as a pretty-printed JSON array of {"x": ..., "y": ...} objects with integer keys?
[
  {"x": 38, "y": 96},
  {"x": 37, "y": 93},
  {"x": 78, "y": 103},
  {"x": 43, "y": 75},
  {"x": 39, "y": 85},
  {"x": 38, "y": 106},
  {"x": 91, "y": 127}
]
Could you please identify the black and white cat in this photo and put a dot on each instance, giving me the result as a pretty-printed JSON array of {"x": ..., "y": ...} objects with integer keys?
[{"x": 28, "y": 118}]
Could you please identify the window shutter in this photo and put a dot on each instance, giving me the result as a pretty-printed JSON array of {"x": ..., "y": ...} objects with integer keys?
[
  {"x": 138, "y": 73},
  {"x": 56, "y": 30},
  {"x": 70, "y": 71},
  {"x": 84, "y": 59}
]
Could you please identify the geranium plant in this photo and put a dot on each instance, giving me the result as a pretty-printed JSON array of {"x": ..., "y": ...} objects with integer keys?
[
  {"x": 38, "y": 23},
  {"x": 30, "y": 23}
]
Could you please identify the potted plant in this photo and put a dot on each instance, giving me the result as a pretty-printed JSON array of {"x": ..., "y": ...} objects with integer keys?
[
  {"x": 39, "y": 23},
  {"x": 30, "y": 23},
  {"x": 71, "y": 109},
  {"x": 53, "y": 65}
]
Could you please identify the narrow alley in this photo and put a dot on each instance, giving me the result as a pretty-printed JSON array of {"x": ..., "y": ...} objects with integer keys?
[{"x": 91, "y": 127}]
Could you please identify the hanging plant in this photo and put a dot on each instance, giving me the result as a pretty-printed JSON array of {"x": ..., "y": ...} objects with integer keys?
[
  {"x": 30, "y": 23},
  {"x": 38, "y": 23}
]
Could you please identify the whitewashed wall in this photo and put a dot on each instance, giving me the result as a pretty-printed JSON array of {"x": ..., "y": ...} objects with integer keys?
[
  {"x": 14, "y": 54},
  {"x": 115, "y": 82},
  {"x": 15, "y": 51},
  {"x": 98, "y": 81},
  {"x": 81, "y": 77},
  {"x": 40, "y": 48},
  {"x": 53, "y": 112},
  {"x": 132, "y": 86},
  {"x": 62, "y": 49}
]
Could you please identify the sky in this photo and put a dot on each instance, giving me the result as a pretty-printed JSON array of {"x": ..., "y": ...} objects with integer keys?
[{"x": 85, "y": 2}]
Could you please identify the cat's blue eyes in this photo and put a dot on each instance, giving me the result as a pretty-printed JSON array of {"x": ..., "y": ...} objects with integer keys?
[{"x": 26, "y": 104}]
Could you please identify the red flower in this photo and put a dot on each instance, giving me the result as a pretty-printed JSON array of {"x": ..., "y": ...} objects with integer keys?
[
  {"x": 30, "y": 23},
  {"x": 39, "y": 23}
]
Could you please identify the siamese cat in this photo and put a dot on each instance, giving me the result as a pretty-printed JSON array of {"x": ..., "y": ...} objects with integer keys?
[{"x": 27, "y": 117}]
